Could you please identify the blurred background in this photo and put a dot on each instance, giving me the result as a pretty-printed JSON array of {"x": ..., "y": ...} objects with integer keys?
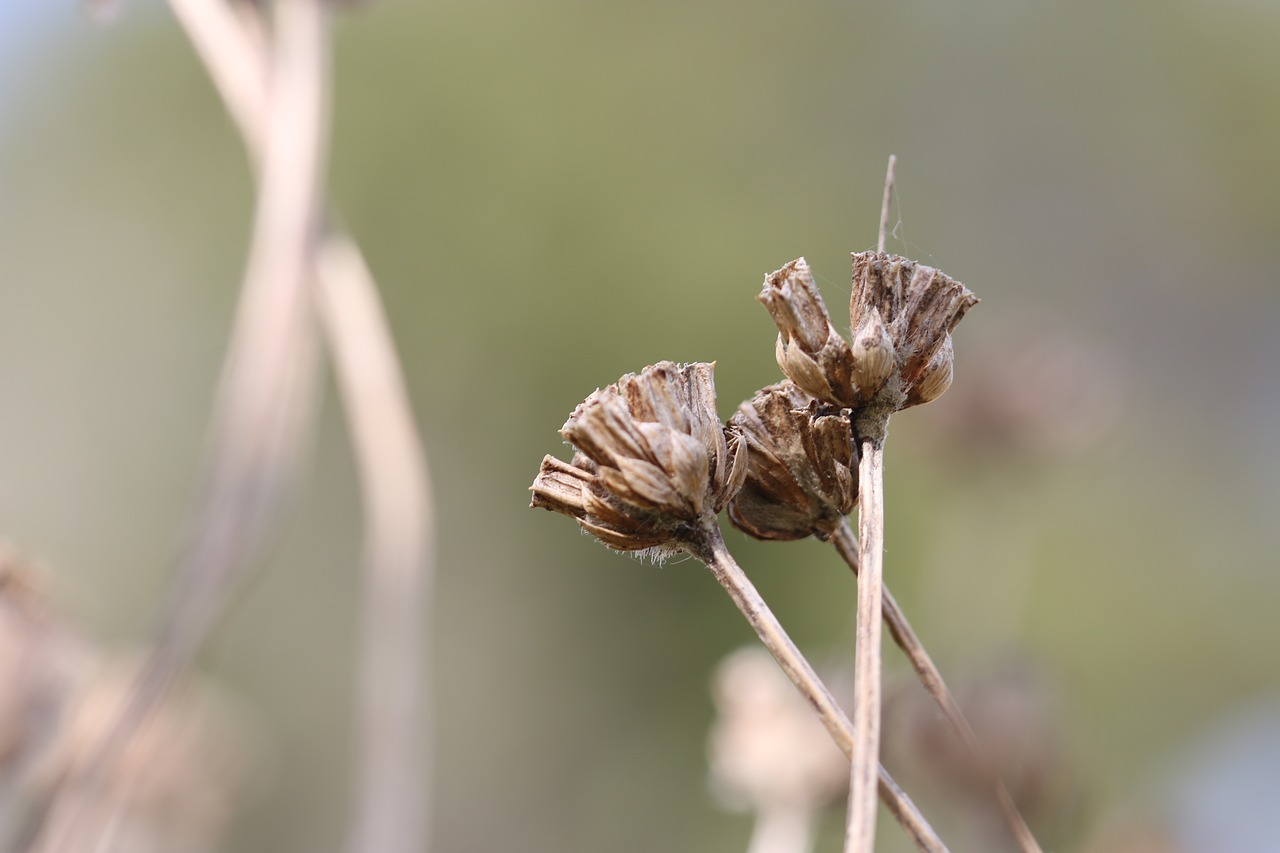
[{"x": 552, "y": 194}]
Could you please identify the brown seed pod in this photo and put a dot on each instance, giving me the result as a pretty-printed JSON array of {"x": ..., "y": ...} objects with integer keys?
[
  {"x": 802, "y": 475},
  {"x": 654, "y": 464}
]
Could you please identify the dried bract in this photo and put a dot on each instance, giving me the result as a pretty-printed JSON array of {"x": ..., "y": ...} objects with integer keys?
[
  {"x": 873, "y": 354},
  {"x": 654, "y": 464},
  {"x": 936, "y": 376},
  {"x": 802, "y": 476}
]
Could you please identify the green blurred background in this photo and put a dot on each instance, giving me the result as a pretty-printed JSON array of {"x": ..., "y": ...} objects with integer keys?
[{"x": 552, "y": 194}]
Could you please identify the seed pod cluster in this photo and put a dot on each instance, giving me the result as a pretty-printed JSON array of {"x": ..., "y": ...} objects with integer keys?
[{"x": 653, "y": 464}]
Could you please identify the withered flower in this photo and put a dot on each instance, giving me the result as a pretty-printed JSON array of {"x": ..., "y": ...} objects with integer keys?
[
  {"x": 802, "y": 472},
  {"x": 654, "y": 465},
  {"x": 919, "y": 306},
  {"x": 810, "y": 350},
  {"x": 900, "y": 316}
]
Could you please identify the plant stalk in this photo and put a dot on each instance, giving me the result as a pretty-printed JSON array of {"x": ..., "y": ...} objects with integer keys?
[
  {"x": 900, "y": 629},
  {"x": 860, "y": 828},
  {"x": 712, "y": 551}
]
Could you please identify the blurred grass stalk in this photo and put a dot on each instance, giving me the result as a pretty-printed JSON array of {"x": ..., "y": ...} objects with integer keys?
[{"x": 302, "y": 269}]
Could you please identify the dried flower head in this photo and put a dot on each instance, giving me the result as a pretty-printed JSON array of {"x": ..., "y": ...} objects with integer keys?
[
  {"x": 919, "y": 306},
  {"x": 654, "y": 464},
  {"x": 900, "y": 316},
  {"x": 810, "y": 350},
  {"x": 802, "y": 472}
]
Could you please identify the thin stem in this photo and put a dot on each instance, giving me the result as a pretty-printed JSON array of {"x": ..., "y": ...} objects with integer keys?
[
  {"x": 860, "y": 829},
  {"x": 267, "y": 391},
  {"x": 884, "y": 204},
  {"x": 399, "y": 534},
  {"x": 900, "y": 629},
  {"x": 712, "y": 551},
  {"x": 399, "y": 565}
]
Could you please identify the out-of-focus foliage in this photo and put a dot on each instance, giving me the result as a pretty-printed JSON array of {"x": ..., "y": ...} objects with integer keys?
[{"x": 602, "y": 186}]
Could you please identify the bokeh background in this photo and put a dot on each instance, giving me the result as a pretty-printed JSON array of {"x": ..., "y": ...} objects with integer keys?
[{"x": 552, "y": 194}]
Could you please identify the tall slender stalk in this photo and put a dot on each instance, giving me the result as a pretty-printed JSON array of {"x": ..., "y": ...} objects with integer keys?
[
  {"x": 860, "y": 833},
  {"x": 846, "y": 544},
  {"x": 860, "y": 825},
  {"x": 712, "y": 551}
]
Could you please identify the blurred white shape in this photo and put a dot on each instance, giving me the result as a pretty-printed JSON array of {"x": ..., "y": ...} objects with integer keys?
[{"x": 768, "y": 752}]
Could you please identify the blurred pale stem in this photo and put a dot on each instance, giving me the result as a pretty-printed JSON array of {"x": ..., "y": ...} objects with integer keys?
[
  {"x": 398, "y": 555},
  {"x": 860, "y": 828},
  {"x": 712, "y": 551},
  {"x": 398, "y": 549},
  {"x": 782, "y": 830},
  {"x": 905, "y": 637},
  {"x": 267, "y": 393}
]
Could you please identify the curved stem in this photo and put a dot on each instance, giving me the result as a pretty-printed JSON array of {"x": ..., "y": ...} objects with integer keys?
[
  {"x": 900, "y": 629},
  {"x": 712, "y": 551},
  {"x": 860, "y": 828}
]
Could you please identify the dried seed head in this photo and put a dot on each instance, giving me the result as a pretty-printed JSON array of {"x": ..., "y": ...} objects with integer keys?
[
  {"x": 802, "y": 476},
  {"x": 810, "y": 350},
  {"x": 873, "y": 355},
  {"x": 654, "y": 464},
  {"x": 935, "y": 378},
  {"x": 172, "y": 784},
  {"x": 901, "y": 314},
  {"x": 920, "y": 307}
]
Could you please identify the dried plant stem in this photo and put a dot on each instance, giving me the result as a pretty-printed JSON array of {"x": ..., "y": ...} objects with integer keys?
[
  {"x": 267, "y": 393},
  {"x": 884, "y": 204},
  {"x": 392, "y": 808},
  {"x": 900, "y": 629},
  {"x": 860, "y": 828},
  {"x": 715, "y": 554},
  {"x": 233, "y": 43}
]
